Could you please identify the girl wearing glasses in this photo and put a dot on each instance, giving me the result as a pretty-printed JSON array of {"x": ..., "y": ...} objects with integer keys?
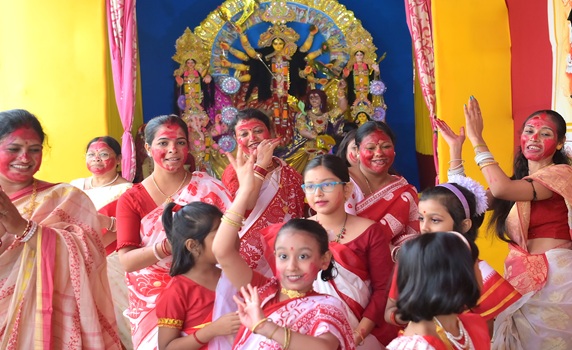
[
  {"x": 104, "y": 187},
  {"x": 360, "y": 248}
]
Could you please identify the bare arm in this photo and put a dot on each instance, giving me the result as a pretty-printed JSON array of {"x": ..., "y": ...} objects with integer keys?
[
  {"x": 500, "y": 184},
  {"x": 226, "y": 243}
]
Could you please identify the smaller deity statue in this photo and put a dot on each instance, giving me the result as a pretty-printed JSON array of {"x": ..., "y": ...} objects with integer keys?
[
  {"x": 194, "y": 82},
  {"x": 316, "y": 127}
]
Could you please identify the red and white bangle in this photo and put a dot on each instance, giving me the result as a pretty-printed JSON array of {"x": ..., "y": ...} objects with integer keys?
[{"x": 29, "y": 231}]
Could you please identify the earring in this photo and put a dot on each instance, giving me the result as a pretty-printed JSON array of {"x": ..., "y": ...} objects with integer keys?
[{"x": 149, "y": 154}]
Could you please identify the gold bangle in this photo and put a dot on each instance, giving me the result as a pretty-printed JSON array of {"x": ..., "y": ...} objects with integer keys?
[
  {"x": 258, "y": 324},
  {"x": 360, "y": 335},
  {"x": 479, "y": 145},
  {"x": 487, "y": 164},
  {"x": 235, "y": 213},
  {"x": 274, "y": 331},
  {"x": 258, "y": 176},
  {"x": 230, "y": 222},
  {"x": 287, "y": 335}
]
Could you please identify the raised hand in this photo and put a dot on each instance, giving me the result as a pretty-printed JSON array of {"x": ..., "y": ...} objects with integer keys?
[
  {"x": 265, "y": 150},
  {"x": 452, "y": 139},
  {"x": 474, "y": 121},
  {"x": 244, "y": 169},
  {"x": 249, "y": 311}
]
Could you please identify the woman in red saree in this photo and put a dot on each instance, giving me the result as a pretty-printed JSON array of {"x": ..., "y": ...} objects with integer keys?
[
  {"x": 280, "y": 197},
  {"x": 378, "y": 195},
  {"x": 532, "y": 211},
  {"x": 144, "y": 250},
  {"x": 281, "y": 311},
  {"x": 360, "y": 248},
  {"x": 53, "y": 279},
  {"x": 429, "y": 266}
]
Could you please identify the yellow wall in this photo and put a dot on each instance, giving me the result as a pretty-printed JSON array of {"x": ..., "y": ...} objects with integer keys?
[
  {"x": 472, "y": 57},
  {"x": 53, "y": 64}
]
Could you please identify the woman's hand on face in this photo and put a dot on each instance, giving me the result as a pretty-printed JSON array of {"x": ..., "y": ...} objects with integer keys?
[
  {"x": 249, "y": 311},
  {"x": 452, "y": 139},
  {"x": 10, "y": 217},
  {"x": 264, "y": 152},
  {"x": 474, "y": 121}
]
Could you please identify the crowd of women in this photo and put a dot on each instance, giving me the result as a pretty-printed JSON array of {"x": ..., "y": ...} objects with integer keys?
[{"x": 345, "y": 255}]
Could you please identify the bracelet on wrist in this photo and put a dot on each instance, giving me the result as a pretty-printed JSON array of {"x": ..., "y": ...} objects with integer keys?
[
  {"x": 112, "y": 224},
  {"x": 156, "y": 252},
  {"x": 257, "y": 324}
]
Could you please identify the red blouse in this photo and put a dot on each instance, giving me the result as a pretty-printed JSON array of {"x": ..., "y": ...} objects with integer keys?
[{"x": 132, "y": 207}]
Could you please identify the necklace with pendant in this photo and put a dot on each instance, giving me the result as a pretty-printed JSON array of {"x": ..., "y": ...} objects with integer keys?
[{"x": 168, "y": 199}]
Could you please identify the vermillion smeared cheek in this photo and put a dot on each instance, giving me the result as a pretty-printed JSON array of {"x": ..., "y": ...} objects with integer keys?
[
  {"x": 243, "y": 143},
  {"x": 158, "y": 155},
  {"x": 313, "y": 272},
  {"x": 365, "y": 157},
  {"x": 103, "y": 166}
]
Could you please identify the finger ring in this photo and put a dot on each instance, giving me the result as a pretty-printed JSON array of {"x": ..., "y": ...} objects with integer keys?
[{"x": 4, "y": 212}]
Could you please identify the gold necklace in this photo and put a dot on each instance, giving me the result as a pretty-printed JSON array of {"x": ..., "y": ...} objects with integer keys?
[
  {"x": 168, "y": 199},
  {"x": 367, "y": 183},
  {"x": 293, "y": 293},
  {"x": 29, "y": 210},
  {"x": 104, "y": 185}
]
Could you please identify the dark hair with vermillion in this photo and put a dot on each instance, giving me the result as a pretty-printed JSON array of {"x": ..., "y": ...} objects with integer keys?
[
  {"x": 250, "y": 113},
  {"x": 154, "y": 124},
  {"x": 109, "y": 141},
  {"x": 17, "y": 118},
  {"x": 193, "y": 221},
  {"x": 501, "y": 207}
]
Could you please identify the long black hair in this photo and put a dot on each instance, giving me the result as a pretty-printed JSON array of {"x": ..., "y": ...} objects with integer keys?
[
  {"x": 193, "y": 221},
  {"x": 501, "y": 207}
]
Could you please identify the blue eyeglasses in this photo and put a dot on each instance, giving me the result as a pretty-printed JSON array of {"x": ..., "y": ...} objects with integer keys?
[{"x": 325, "y": 187}]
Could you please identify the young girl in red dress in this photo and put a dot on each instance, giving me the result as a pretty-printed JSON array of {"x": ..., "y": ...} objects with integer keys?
[
  {"x": 185, "y": 307},
  {"x": 282, "y": 311},
  {"x": 437, "y": 282}
]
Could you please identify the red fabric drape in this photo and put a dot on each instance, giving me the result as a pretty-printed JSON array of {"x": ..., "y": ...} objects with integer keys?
[{"x": 418, "y": 17}]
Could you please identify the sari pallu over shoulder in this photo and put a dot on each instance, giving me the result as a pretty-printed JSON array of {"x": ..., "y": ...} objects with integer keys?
[{"x": 56, "y": 296}]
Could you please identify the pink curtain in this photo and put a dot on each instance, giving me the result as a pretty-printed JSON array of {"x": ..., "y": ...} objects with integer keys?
[
  {"x": 122, "y": 30},
  {"x": 418, "y": 16}
]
